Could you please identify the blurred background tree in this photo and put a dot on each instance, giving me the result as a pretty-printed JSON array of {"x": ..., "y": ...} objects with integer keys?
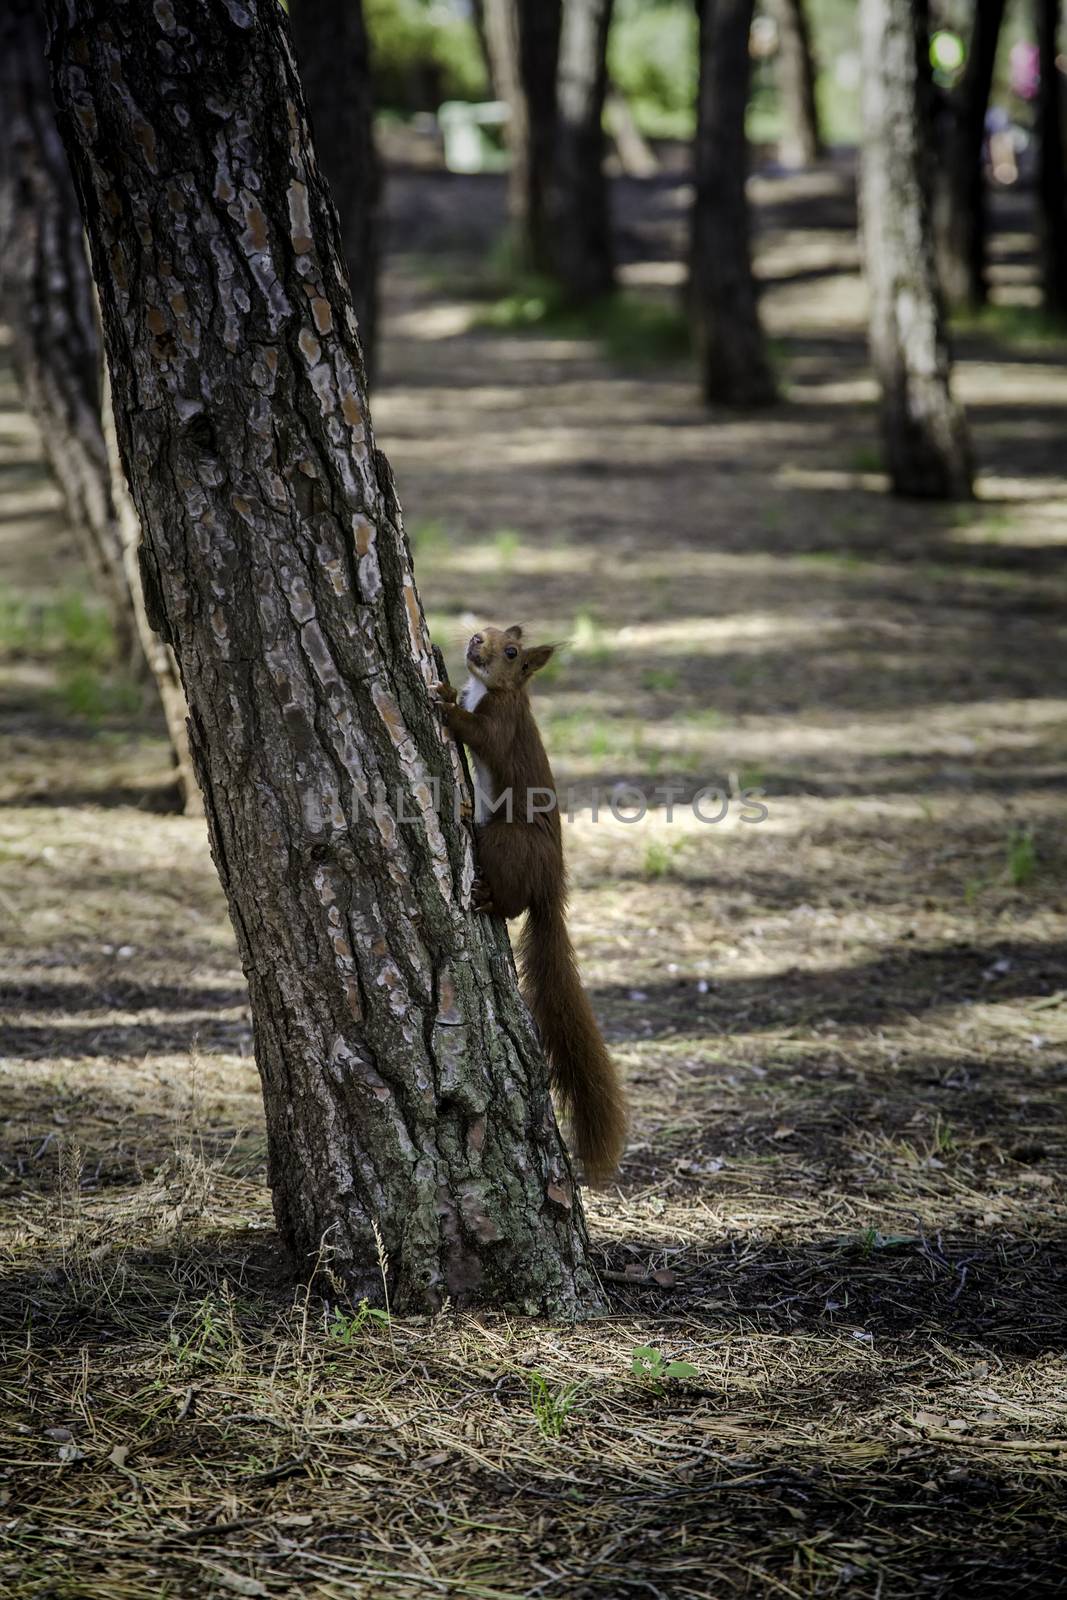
[
  {"x": 48, "y": 302},
  {"x": 1052, "y": 217},
  {"x": 960, "y": 205},
  {"x": 331, "y": 47},
  {"x": 924, "y": 432},
  {"x": 722, "y": 292},
  {"x": 801, "y": 140}
]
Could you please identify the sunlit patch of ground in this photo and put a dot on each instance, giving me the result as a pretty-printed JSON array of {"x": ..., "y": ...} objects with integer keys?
[{"x": 843, "y": 1027}]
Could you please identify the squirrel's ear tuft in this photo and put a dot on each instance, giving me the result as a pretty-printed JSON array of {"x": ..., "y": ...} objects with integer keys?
[
  {"x": 533, "y": 660},
  {"x": 514, "y": 632}
]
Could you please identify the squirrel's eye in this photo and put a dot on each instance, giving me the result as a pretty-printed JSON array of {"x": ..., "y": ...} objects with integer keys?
[{"x": 511, "y": 652}]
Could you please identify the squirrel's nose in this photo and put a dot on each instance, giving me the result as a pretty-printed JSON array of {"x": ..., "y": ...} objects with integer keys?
[{"x": 477, "y": 639}]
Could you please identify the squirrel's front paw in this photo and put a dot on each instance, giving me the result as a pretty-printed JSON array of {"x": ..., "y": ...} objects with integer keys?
[
  {"x": 444, "y": 694},
  {"x": 482, "y": 898}
]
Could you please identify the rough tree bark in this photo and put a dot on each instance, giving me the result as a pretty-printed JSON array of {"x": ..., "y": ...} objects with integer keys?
[
  {"x": 46, "y": 299},
  {"x": 1051, "y": 195},
  {"x": 801, "y": 143},
  {"x": 161, "y": 660},
  {"x": 331, "y": 47},
  {"x": 523, "y": 42},
  {"x": 580, "y": 223},
  {"x": 403, "y": 1083},
  {"x": 722, "y": 288},
  {"x": 960, "y": 201},
  {"x": 924, "y": 431}
]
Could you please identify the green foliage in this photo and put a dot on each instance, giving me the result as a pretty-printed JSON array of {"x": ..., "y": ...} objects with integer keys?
[
  {"x": 66, "y": 627},
  {"x": 207, "y": 1337},
  {"x": 423, "y": 53},
  {"x": 659, "y": 859},
  {"x": 506, "y": 543},
  {"x": 866, "y": 458},
  {"x": 1015, "y": 324},
  {"x": 551, "y": 1406},
  {"x": 587, "y": 638},
  {"x": 650, "y": 1364},
  {"x": 73, "y": 635},
  {"x": 652, "y": 58},
  {"x": 1022, "y": 857},
  {"x": 634, "y": 330},
  {"x": 86, "y": 692},
  {"x": 428, "y": 534},
  {"x": 347, "y": 1329}
]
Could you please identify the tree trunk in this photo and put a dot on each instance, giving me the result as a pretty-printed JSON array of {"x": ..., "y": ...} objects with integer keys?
[
  {"x": 725, "y": 312},
  {"x": 581, "y": 224},
  {"x": 960, "y": 204},
  {"x": 925, "y": 433},
  {"x": 523, "y": 39},
  {"x": 1051, "y": 198},
  {"x": 158, "y": 654},
  {"x": 405, "y": 1091},
  {"x": 47, "y": 304},
  {"x": 331, "y": 47},
  {"x": 801, "y": 143}
]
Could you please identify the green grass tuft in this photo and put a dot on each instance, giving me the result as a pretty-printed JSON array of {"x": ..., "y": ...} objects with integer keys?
[
  {"x": 66, "y": 627},
  {"x": 1022, "y": 857},
  {"x": 633, "y": 330},
  {"x": 1014, "y": 323}
]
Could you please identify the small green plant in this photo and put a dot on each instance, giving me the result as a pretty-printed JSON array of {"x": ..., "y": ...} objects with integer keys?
[
  {"x": 209, "y": 1333},
  {"x": 632, "y": 330},
  {"x": 972, "y": 890},
  {"x": 551, "y": 1406},
  {"x": 346, "y": 1329},
  {"x": 427, "y": 535},
  {"x": 866, "y": 458},
  {"x": 650, "y": 1364},
  {"x": 65, "y": 625},
  {"x": 87, "y": 693},
  {"x": 871, "y": 1239},
  {"x": 600, "y": 742},
  {"x": 944, "y": 1139},
  {"x": 659, "y": 858},
  {"x": 587, "y": 638},
  {"x": 1022, "y": 857},
  {"x": 506, "y": 544},
  {"x": 1015, "y": 324},
  {"x": 659, "y": 678}
]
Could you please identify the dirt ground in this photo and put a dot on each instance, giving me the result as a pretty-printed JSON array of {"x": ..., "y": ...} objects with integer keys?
[{"x": 843, "y": 1028}]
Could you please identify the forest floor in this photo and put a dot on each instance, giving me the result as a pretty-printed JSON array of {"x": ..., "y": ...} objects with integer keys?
[{"x": 844, "y": 1028}]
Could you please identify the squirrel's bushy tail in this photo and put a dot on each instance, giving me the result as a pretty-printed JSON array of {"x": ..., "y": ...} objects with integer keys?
[{"x": 583, "y": 1074}]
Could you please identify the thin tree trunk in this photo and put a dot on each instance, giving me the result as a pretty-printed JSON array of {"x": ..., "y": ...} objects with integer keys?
[
  {"x": 46, "y": 292},
  {"x": 636, "y": 156},
  {"x": 801, "y": 143},
  {"x": 925, "y": 433},
  {"x": 581, "y": 223},
  {"x": 960, "y": 199},
  {"x": 523, "y": 40},
  {"x": 404, "y": 1087},
  {"x": 159, "y": 655},
  {"x": 1051, "y": 196},
  {"x": 725, "y": 311},
  {"x": 331, "y": 47}
]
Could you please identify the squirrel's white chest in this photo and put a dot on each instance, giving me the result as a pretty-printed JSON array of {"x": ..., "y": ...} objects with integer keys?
[{"x": 470, "y": 698}]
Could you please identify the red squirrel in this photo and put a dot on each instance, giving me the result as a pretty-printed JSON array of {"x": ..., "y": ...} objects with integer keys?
[{"x": 520, "y": 868}]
